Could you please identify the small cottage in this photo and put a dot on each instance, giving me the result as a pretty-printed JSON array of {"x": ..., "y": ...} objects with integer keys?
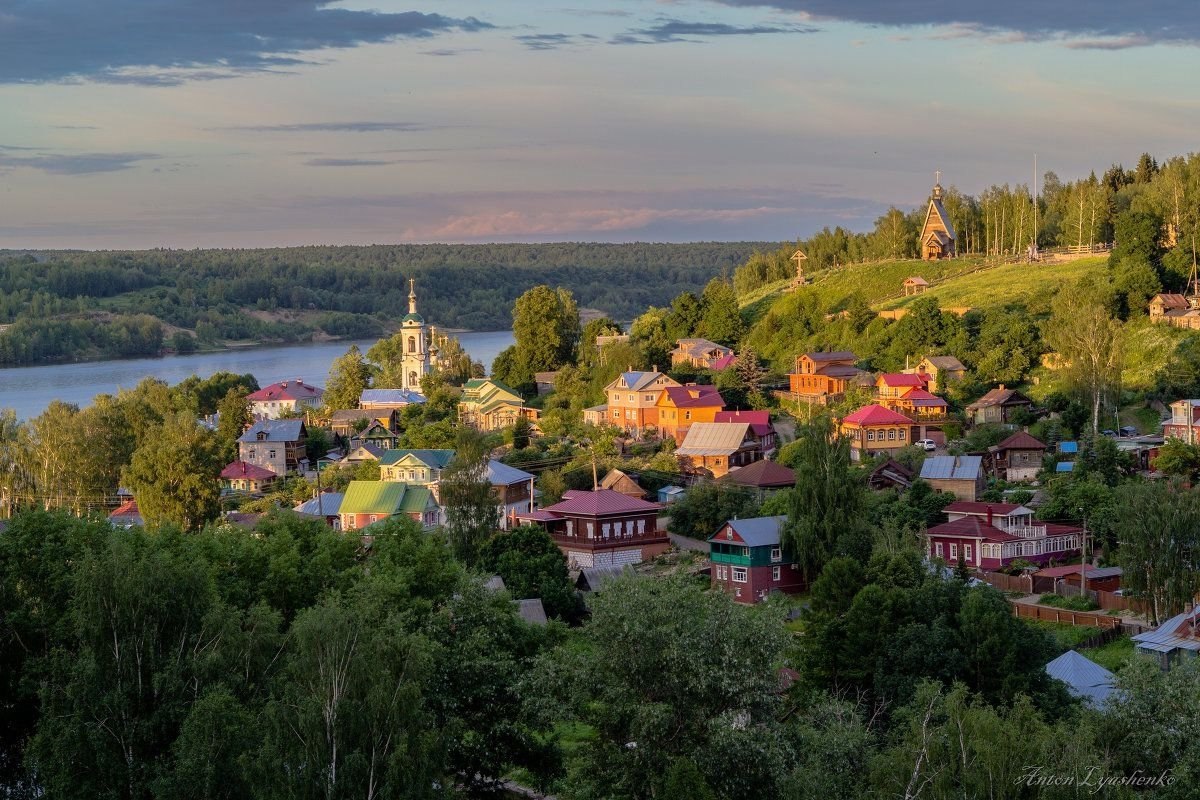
[{"x": 961, "y": 475}]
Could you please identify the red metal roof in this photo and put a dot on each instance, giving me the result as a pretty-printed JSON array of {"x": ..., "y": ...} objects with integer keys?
[
  {"x": 694, "y": 396},
  {"x": 760, "y": 421},
  {"x": 972, "y": 528},
  {"x": 243, "y": 470},
  {"x": 901, "y": 379},
  {"x": 1021, "y": 441},
  {"x": 286, "y": 390},
  {"x": 129, "y": 507},
  {"x": 600, "y": 503},
  {"x": 763, "y": 474},
  {"x": 970, "y": 507},
  {"x": 877, "y": 415}
]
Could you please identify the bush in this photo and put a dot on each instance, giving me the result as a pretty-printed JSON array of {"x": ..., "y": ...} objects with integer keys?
[{"x": 1068, "y": 603}]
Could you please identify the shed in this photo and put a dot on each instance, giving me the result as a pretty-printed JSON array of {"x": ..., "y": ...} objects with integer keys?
[
  {"x": 593, "y": 579},
  {"x": 670, "y": 494},
  {"x": 532, "y": 611},
  {"x": 1085, "y": 679},
  {"x": 962, "y": 475}
]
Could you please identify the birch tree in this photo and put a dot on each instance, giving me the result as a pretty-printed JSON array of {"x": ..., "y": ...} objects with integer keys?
[{"x": 1083, "y": 332}]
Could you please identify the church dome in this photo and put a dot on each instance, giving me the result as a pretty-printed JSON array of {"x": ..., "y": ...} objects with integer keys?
[{"x": 412, "y": 318}]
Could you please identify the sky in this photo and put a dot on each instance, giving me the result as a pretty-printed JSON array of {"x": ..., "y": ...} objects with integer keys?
[{"x": 227, "y": 123}]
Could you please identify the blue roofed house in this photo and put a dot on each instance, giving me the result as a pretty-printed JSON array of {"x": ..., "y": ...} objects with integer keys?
[
  {"x": 961, "y": 475},
  {"x": 388, "y": 399},
  {"x": 1084, "y": 678},
  {"x": 276, "y": 444},
  {"x": 326, "y": 505},
  {"x": 748, "y": 561},
  {"x": 1174, "y": 640},
  {"x": 513, "y": 489}
]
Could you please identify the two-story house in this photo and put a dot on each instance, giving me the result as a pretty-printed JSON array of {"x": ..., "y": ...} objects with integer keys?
[
  {"x": 962, "y": 476},
  {"x": 487, "y": 404},
  {"x": 284, "y": 397},
  {"x": 241, "y": 476},
  {"x": 1184, "y": 423},
  {"x": 748, "y": 560},
  {"x": 991, "y": 536},
  {"x": 415, "y": 467},
  {"x": 999, "y": 406},
  {"x": 893, "y": 385},
  {"x": 940, "y": 371},
  {"x": 713, "y": 448},
  {"x": 368, "y": 502},
  {"x": 513, "y": 489},
  {"x": 678, "y": 407},
  {"x": 276, "y": 444},
  {"x": 601, "y": 528},
  {"x": 874, "y": 429},
  {"x": 760, "y": 426},
  {"x": 823, "y": 378},
  {"x": 633, "y": 398},
  {"x": 1017, "y": 458},
  {"x": 699, "y": 353}
]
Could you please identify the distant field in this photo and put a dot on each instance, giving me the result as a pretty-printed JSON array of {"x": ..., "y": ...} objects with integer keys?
[{"x": 1030, "y": 284}]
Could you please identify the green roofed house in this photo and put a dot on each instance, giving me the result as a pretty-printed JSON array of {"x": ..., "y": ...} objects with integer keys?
[
  {"x": 418, "y": 467},
  {"x": 367, "y": 502},
  {"x": 488, "y": 405}
]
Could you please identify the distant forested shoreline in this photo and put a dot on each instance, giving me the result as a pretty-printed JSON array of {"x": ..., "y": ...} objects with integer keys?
[{"x": 75, "y": 305}]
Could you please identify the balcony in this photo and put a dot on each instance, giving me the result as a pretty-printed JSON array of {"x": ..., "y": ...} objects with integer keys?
[
  {"x": 608, "y": 542},
  {"x": 1026, "y": 531}
]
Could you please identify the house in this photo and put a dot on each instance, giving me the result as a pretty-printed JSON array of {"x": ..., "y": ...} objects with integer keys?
[
  {"x": 1184, "y": 422},
  {"x": 941, "y": 371},
  {"x": 893, "y": 385},
  {"x": 348, "y": 421},
  {"x": 363, "y": 452},
  {"x": 325, "y": 505},
  {"x": 389, "y": 399},
  {"x": 891, "y": 474},
  {"x": 937, "y": 234},
  {"x": 919, "y": 404},
  {"x": 241, "y": 476},
  {"x": 873, "y": 430},
  {"x": 748, "y": 561},
  {"x": 513, "y": 489},
  {"x": 1085, "y": 679},
  {"x": 960, "y": 475},
  {"x": 367, "y": 502},
  {"x": 1176, "y": 309},
  {"x": 126, "y": 515},
  {"x": 763, "y": 477},
  {"x": 596, "y": 415},
  {"x": 678, "y": 407},
  {"x": 376, "y": 434},
  {"x": 633, "y": 398},
  {"x": 593, "y": 579},
  {"x": 1176, "y": 639},
  {"x": 1017, "y": 458},
  {"x": 277, "y": 444},
  {"x": 760, "y": 426},
  {"x": 699, "y": 353},
  {"x": 998, "y": 406},
  {"x": 544, "y": 382},
  {"x": 602, "y": 528},
  {"x": 915, "y": 285},
  {"x": 618, "y": 481},
  {"x": 417, "y": 467},
  {"x": 823, "y": 378},
  {"x": 489, "y": 405},
  {"x": 1099, "y": 579},
  {"x": 285, "y": 397},
  {"x": 991, "y": 536},
  {"x": 714, "y": 448}
]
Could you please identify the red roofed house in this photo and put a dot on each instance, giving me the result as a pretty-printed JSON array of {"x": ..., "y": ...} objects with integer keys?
[
  {"x": 760, "y": 426},
  {"x": 680, "y": 406},
  {"x": 893, "y": 385},
  {"x": 920, "y": 405},
  {"x": 874, "y": 429},
  {"x": 1099, "y": 579},
  {"x": 602, "y": 528},
  {"x": 822, "y": 378},
  {"x": 126, "y": 515},
  {"x": 992, "y": 535},
  {"x": 286, "y": 396},
  {"x": 1017, "y": 458},
  {"x": 242, "y": 476}
]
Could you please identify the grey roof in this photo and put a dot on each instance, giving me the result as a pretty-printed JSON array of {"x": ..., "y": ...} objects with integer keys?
[
  {"x": 945, "y": 362},
  {"x": 532, "y": 611},
  {"x": 593, "y": 579},
  {"x": 1177, "y": 633},
  {"x": 392, "y": 396},
  {"x": 1084, "y": 678},
  {"x": 954, "y": 468},
  {"x": 501, "y": 474},
  {"x": 349, "y": 415},
  {"x": 714, "y": 438},
  {"x": 495, "y": 584},
  {"x": 328, "y": 504},
  {"x": 755, "y": 531},
  {"x": 277, "y": 430}
]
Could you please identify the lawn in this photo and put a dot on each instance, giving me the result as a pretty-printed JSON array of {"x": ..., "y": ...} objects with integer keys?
[
  {"x": 1067, "y": 637},
  {"x": 1112, "y": 656}
]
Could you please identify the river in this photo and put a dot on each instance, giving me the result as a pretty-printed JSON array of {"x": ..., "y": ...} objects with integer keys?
[{"x": 28, "y": 390}]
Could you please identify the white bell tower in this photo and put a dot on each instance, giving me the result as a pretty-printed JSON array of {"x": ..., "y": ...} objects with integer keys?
[{"x": 416, "y": 348}]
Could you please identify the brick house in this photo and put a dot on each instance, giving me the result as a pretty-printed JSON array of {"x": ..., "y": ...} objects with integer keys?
[
  {"x": 633, "y": 397},
  {"x": 713, "y": 448},
  {"x": 874, "y": 429},
  {"x": 601, "y": 528},
  {"x": 678, "y": 407},
  {"x": 1184, "y": 422},
  {"x": 284, "y": 397},
  {"x": 823, "y": 378},
  {"x": 992, "y": 535},
  {"x": 748, "y": 560},
  {"x": 1017, "y": 458},
  {"x": 276, "y": 444}
]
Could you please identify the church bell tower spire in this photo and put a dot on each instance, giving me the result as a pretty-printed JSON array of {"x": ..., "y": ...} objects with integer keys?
[{"x": 412, "y": 295}]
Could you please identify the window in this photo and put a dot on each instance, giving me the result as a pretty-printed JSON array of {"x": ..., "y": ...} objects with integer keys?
[
  {"x": 729, "y": 534},
  {"x": 776, "y": 553},
  {"x": 902, "y": 435},
  {"x": 412, "y": 344},
  {"x": 616, "y": 414},
  {"x": 631, "y": 398},
  {"x": 775, "y": 573},
  {"x": 374, "y": 518},
  {"x": 687, "y": 415},
  {"x": 892, "y": 434},
  {"x": 270, "y": 454},
  {"x": 953, "y": 551},
  {"x": 938, "y": 549},
  {"x": 739, "y": 574},
  {"x": 967, "y": 553},
  {"x": 870, "y": 436},
  {"x": 737, "y": 592}
]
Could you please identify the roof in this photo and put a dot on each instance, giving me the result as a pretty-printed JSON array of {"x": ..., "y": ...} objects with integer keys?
[
  {"x": 916, "y": 280},
  {"x": 373, "y": 497},
  {"x": 636, "y": 381},
  {"x": 1001, "y": 396},
  {"x": 593, "y": 579},
  {"x": 241, "y": 470},
  {"x": 724, "y": 362},
  {"x": 416, "y": 499},
  {"x": 391, "y": 397},
  {"x": 761, "y": 474},
  {"x": 287, "y": 390},
  {"x": 980, "y": 508},
  {"x": 894, "y": 471},
  {"x": 952, "y": 468},
  {"x": 935, "y": 206},
  {"x": 876, "y": 415},
  {"x": 760, "y": 421},
  {"x": 544, "y": 377},
  {"x": 128, "y": 509},
  {"x": 532, "y": 611},
  {"x": 945, "y": 362},
  {"x": 1064, "y": 466},
  {"x": 695, "y": 396},
  {"x": 1171, "y": 300},
  {"x": 923, "y": 399},
  {"x": 600, "y": 502},
  {"x": 1177, "y": 633},
  {"x": 276, "y": 430},
  {"x": 698, "y": 347},
  {"x": 329, "y": 504},
  {"x": 1068, "y": 447},
  {"x": 833, "y": 355},
  {"x": 1084, "y": 678},
  {"x": 495, "y": 583},
  {"x": 501, "y": 474},
  {"x": 349, "y": 415},
  {"x": 616, "y": 476},
  {"x": 434, "y": 459},
  {"x": 1021, "y": 441},
  {"x": 754, "y": 531},
  {"x": 713, "y": 438},
  {"x": 1097, "y": 573},
  {"x": 972, "y": 528}
]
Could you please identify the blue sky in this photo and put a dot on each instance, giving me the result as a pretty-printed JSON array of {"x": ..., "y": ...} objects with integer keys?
[{"x": 209, "y": 123}]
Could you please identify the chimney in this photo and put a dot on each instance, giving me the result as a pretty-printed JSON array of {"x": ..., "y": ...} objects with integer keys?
[
  {"x": 283, "y": 385},
  {"x": 654, "y": 367},
  {"x": 989, "y": 509},
  {"x": 1002, "y": 387}
]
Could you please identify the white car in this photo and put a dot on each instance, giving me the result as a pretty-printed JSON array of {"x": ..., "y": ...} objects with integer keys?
[{"x": 926, "y": 444}]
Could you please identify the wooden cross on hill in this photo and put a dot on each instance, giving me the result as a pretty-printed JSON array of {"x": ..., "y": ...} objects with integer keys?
[{"x": 799, "y": 258}]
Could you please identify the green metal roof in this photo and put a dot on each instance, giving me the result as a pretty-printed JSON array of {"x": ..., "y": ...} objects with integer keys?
[
  {"x": 435, "y": 459},
  {"x": 416, "y": 500},
  {"x": 373, "y": 497},
  {"x": 412, "y": 318}
]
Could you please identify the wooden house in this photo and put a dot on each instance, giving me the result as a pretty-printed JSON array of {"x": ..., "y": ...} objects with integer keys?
[
  {"x": 762, "y": 477},
  {"x": 873, "y": 430},
  {"x": 544, "y": 382},
  {"x": 760, "y": 426},
  {"x": 1017, "y": 458},
  {"x": 937, "y": 234},
  {"x": 891, "y": 385},
  {"x": 991, "y": 536},
  {"x": 602, "y": 528},
  {"x": 890, "y": 474},
  {"x": 940, "y": 371},
  {"x": 962, "y": 476},
  {"x": 619, "y": 481},
  {"x": 823, "y": 378},
  {"x": 415, "y": 467},
  {"x": 713, "y": 448},
  {"x": 633, "y": 397},
  {"x": 375, "y": 434},
  {"x": 487, "y": 404},
  {"x": 678, "y": 407},
  {"x": 126, "y": 515},
  {"x": 368, "y": 502},
  {"x": 915, "y": 285},
  {"x": 241, "y": 476},
  {"x": 998, "y": 406},
  {"x": 1176, "y": 309},
  {"x": 699, "y": 353},
  {"x": 513, "y": 489},
  {"x": 749, "y": 562},
  {"x": 919, "y": 405},
  {"x": 276, "y": 444},
  {"x": 346, "y": 422},
  {"x": 1099, "y": 579}
]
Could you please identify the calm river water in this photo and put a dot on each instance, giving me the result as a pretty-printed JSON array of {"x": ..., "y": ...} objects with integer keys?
[{"x": 28, "y": 390}]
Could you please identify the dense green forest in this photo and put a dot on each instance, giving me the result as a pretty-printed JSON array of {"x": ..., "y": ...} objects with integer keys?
[{"x": 72, "y": 305}]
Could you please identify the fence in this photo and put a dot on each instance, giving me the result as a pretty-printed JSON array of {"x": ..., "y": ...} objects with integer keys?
[
  {"x": 1042, "y": 584},
  {"x": 1065, "y": 617},
  {"x": 1009, "y": 583}
]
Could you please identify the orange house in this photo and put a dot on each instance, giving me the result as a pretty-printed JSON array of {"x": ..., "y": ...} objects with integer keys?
[
  {"x": 874, "y": 429},
  {"x": 822, "y": 378},
  {"x": 919, "y": 404},
  {"x": 892, "y": 385},
  {"x": 680, "y": 406},
  {"x": 632, "y": 399}
]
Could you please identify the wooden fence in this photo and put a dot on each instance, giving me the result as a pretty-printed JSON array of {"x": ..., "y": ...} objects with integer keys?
[
  {"x": 1065, "y": 617},
  {"x": 1009, "y": 583},
  {"x": 1034, "y": 584}
]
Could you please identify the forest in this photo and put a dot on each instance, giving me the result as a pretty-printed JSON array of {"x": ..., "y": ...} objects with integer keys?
[{"x": 74, "y": 305}]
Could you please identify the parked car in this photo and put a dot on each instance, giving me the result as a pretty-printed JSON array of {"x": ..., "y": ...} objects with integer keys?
[
  {"x": 1109, "y": 433},
  {"x": 926, "y": 444}
]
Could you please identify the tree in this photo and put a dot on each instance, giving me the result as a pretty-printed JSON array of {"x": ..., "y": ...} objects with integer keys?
[
  {"x": 1088, "y": 339},
  {"x": 834, "y": 591},
  {"x": 471, "y": 510},
  {"x": 233, "y": 417},
  {"x": 174, "y": 475},
  {"x": 531, "y": 565},
  {"x": 705, "y": 507},
  {"x": 521, "y": 432},
  {"x": 1159, "y": 535},
  {"x": 722, "y": 321},
  {"x": 349, "y": 375},
  {"x": 1178, "y": 459},
  {"x": 546, "y": 329}
]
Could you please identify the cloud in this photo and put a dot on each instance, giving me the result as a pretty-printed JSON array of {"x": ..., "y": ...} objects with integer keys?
[
  {"x": 446, "y": 52},
  {"x": 74, "y": 163},
  {"x": 675, "y": 30},
  {"x": 346, "y": 162},
  {"x": 167, "y": 42},
  {"x": 553, "y": 41},
  {"x": 332, "y": 127},
  {"x": 1079, "y": 24},
  {"x": 522, "y": 224}
]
